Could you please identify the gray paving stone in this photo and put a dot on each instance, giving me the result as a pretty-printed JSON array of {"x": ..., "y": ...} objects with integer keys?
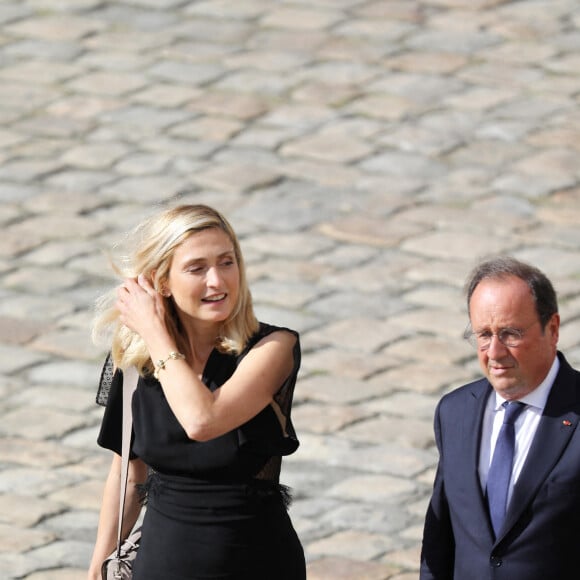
[
  {"x": 367, "y": 303},
  {"x": 298, "y": 206},
  {"x": 311, "y": 417},
  {"x": 385, "y": 458},
  {"x": 23, "y": 512},
  {"x": 84, "y": 438},
  {"x": 300, "y": 18},
  {"x": 145, "y": 189},
  {"x": 132, "y": 17},
  {"x": 12, "y": 540},
  {"x": 419, "y": 140},
  {"x": 404, "y": 559},
  {"x": 51, "y": 137},
  {"x": 323, "y": 174},
  {"x": 44, "y": 49},
  {"x": 353, "y": 545},
  {"x": 210, "y": 129},
  {"x": 25, "y": 170},
  {"x": 403, "y": 404},
  {"x": 52, "y": 281},
  {"x": 239, "y": 177},
  {"x": 79, "y": 181},
  {"x": 33, "y": 481},
  {"x": 42, "y": 72},
  {"x": 82, "y": 496},
  {"x": 488, "y": 152},
  {"x": 67, "y": 399},
  {"x": 341, "y": 362},
  {"x": 66, "y": 554},
  {"x": 65, "y": 372},
  {"x": 367, "y": 153},
  {"x": 28, "y": 452},
  {"x": 553, "y": 260},
  {"x": 465, "y": 245},
  {"x": 38, "y": 423},
  {"x": 327, "y": 148},
  {"x": 108, "y": 84},
  {"x": 94, "y": 156},
  {"x": 434, "y": 350},
  {"x": 422, "y": 91},
  {"x": 65, "y": 342},
  {"x": 398, "y": 163},
  {"x": 286, "y": 244},
  {"x": 33, "y": 307},
  {"x": 11, "y": 12},
  {"x": 359, "y": 334},
  {"x": 341, "y": 568},
  {"x": 73, "y": 525},
  {"x": 371, "y": 230},
  {"x": 15, "y": 566},
  {"x": 59, "y": 574},
  {"x": 423, "y": 378},
  {"x": 14, "y": 358},
  {"x": 287, "y": 295},
  {"x": 275, "y": 61},
  {"x": 365, "y": 516},
  {"x": 15, "y": 330},
  {"x": 239, "y": 106},
  {"x": 51, "y": 27},
  {"x": 301, "y": 321}
]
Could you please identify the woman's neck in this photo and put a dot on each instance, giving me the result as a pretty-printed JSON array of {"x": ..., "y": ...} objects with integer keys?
[{"x": 201, "y": 341}]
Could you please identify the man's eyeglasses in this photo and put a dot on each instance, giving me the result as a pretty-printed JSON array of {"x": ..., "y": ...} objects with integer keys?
[{"x": 510, "y": 337}]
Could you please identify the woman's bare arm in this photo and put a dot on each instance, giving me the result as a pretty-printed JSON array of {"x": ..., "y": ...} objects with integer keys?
[{"x": 109, "y": 516}]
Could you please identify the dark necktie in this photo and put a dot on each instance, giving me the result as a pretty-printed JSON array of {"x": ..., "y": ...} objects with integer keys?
[{"x": 500, "y": 470}]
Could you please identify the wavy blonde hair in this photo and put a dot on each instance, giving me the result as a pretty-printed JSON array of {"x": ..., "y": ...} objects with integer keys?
[{"x": 152, "y": 245}]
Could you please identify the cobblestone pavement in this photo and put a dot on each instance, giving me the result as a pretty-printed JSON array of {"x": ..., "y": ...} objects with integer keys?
[{"x": 366, "y": 151}]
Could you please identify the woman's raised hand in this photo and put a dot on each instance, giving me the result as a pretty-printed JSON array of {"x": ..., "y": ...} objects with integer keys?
[{"x": 140, "y": 306}]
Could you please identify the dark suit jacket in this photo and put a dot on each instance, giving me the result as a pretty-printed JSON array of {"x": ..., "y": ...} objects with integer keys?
[{"x": 540, "y": 539}]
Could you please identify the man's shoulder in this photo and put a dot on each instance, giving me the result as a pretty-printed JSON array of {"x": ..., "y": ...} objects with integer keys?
[
  {"x": 566, "y": 368},
  {"x": 474, "y": 389}
]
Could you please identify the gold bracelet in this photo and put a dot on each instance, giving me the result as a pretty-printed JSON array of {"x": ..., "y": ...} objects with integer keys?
[{"x": 173, "y": 355}]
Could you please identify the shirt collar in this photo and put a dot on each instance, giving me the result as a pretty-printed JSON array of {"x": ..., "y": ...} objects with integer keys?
[{"x": 538, "y": 397}]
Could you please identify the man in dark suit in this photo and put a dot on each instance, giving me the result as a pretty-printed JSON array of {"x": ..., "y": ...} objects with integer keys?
[{"x": 506, "y": 497}]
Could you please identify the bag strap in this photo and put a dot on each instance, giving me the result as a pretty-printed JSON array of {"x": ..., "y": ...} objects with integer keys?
[{"x": 130, "y": 378}]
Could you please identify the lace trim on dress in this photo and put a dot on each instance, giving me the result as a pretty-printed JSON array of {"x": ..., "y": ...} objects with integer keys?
[
  {"x": 105, "y": 381},
  {"x": 262, "y": 491},
  {"x": 281, "y": 405},
  {"x": 152, "y": 485},
  {"x": 258, "y": 491}
]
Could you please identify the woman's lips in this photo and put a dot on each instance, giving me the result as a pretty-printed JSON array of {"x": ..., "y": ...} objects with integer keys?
[{"x": 214, "y": 299}]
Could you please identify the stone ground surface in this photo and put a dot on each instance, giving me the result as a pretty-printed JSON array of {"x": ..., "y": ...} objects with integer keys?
[{"x": 368, "y": 152}]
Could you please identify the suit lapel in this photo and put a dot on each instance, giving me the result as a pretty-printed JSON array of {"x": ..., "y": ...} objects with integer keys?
[
  {"x": 557, "y": 425},
  {"x": 473, "y": 422}
]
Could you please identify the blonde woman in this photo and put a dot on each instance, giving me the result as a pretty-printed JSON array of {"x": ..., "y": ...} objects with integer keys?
[{"x": 211, "y": 412}]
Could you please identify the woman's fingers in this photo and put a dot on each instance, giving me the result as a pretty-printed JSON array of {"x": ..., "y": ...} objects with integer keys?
[
  {"x": 139, "y": 304},
  {"x": 145, "y": 284}
]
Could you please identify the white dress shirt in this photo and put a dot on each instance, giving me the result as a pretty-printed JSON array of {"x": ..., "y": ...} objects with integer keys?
[{"x": 525, "y": 427}]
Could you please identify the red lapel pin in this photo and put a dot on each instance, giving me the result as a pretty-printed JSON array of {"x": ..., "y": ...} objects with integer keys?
[{"x": 566, "y": 423}]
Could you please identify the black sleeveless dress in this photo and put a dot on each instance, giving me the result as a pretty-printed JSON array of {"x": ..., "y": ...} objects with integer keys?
[{"x": 215, "y": 509}]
